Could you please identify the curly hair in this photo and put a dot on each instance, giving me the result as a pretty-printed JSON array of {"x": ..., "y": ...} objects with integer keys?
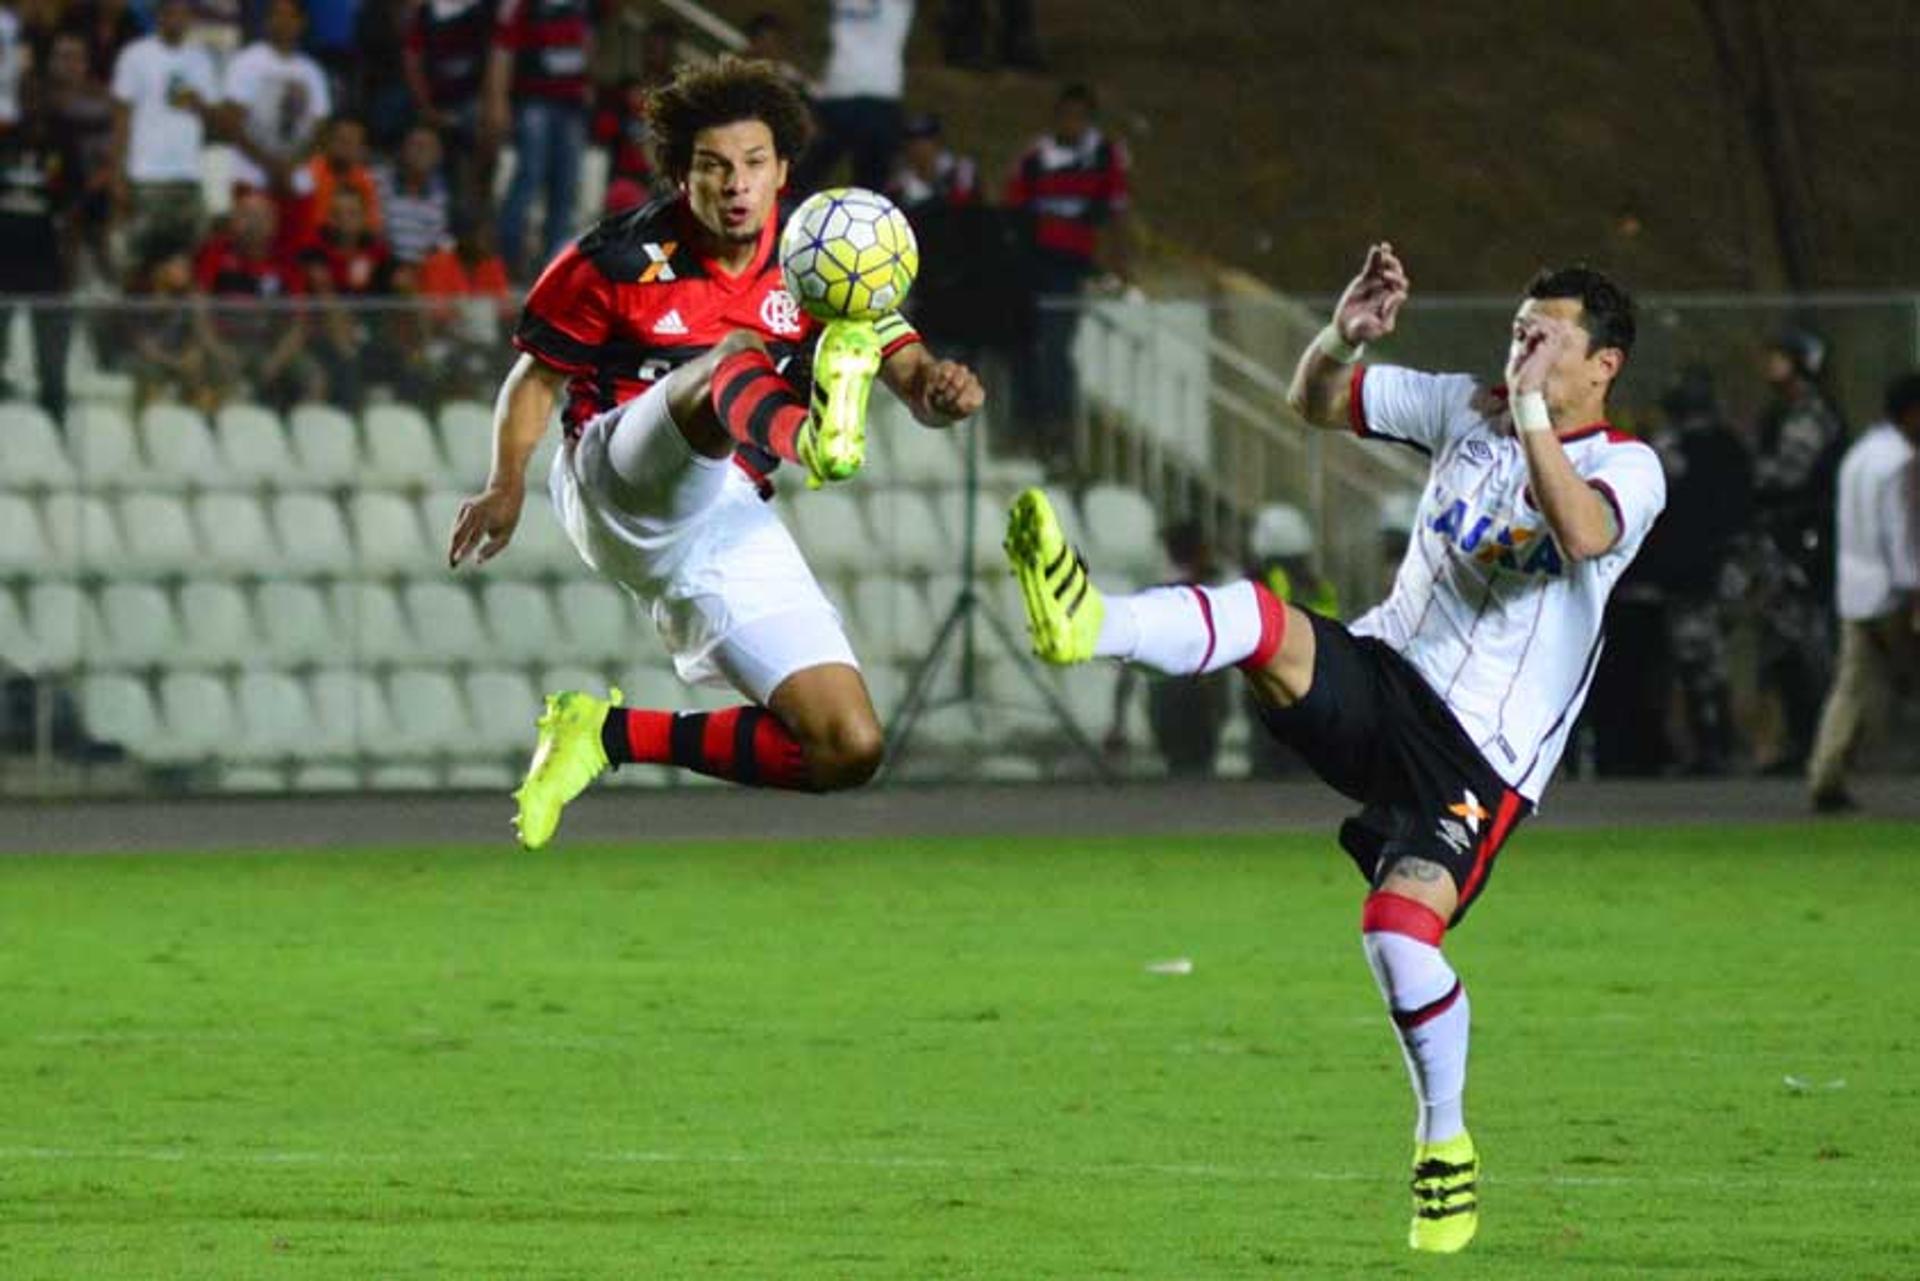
[{"x": 725, "y": 92}]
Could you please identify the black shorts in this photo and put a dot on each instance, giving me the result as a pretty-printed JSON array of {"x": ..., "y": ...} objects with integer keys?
[{"x": 1374, "y": 729}]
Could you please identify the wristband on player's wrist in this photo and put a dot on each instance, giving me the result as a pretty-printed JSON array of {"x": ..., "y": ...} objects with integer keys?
[
  {"x": 1530, "y": 412},
  {"x": 1330, "y": 344}
]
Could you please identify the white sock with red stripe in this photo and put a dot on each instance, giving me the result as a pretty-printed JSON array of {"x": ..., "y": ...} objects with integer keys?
[
  {"x": 1190, "y": 630},
  {"x": 1428, "y": 1005}
]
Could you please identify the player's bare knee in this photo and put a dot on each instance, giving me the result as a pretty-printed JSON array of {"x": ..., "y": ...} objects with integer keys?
[{"x": 847, "y": 753}]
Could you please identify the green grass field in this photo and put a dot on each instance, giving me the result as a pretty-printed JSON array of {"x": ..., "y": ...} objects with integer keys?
[{"x": 912, "y": 1059}]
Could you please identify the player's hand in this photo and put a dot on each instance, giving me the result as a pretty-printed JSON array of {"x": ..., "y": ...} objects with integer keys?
[
  {"x": 485, "y": 525},
  {"x": 952, "y": 391},
  {"x": 1538, "y": 344},
  {"x": 1372, "y": 300}
]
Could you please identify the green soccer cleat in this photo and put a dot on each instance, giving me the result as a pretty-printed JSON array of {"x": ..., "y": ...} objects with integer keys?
[
  {"x": 1446, "y": 1198},
  {"x": 1064, "y": 608},
  {"x": 833, "y": 443},
  {"x": 567, "y": 758}
]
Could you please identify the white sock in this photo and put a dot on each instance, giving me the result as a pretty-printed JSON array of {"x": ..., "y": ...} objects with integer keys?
[
  {"x": 1430, "y": 1015},
  {"x": 1182, "y": 631}
]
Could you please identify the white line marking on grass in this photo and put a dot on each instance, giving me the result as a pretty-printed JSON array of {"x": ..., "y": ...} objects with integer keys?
[{"x": 971, "y": 1166}]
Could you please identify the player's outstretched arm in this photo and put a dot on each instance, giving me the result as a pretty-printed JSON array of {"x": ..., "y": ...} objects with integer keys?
[
  {"x": 486, "y": 521},
  {"x": 1365, "y": 312},
  {"x": 937, "y": 392}
]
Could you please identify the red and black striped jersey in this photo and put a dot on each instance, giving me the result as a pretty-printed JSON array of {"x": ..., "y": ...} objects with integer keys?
[
  {"x": 633, "y": 299},
  {"x": 1072, "y": 188},
  {"x": 551, "y": 42}
]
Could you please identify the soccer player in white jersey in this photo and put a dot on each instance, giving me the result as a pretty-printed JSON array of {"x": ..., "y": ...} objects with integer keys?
[{"x": 1444, "y": 710}]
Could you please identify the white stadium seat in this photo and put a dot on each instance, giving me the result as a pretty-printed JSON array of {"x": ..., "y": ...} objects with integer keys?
[
  {"x": 179, "y": 448},
  {"x": 159, "y": 534},
  {"x": 989, "y": 525},
  {"x": 892, "y": 617},
  {"x": 350, "y": 713},
  {"x": 593, "y": 680},
  {"x": 1122, "y": 533},
  {"x": 923, "y": 456},
  {"x": 375, "y": 626},
  {"x": 31, "y": 444},
  {"x": 216, "y": 624},
  {"x": 119, "y": 709},
  {"x": 446, "y": 620},
  {"x": 466, "y": 441},
  {"x": 600, "y": 622},
  {"x": 540, "y": 546},
  {"x": 403, "y": 778},
  {"x": 235, "y": 535},
  {"x": 400, "y": 449},
  {"x": 503, "y": 705},
  {"x": 298, "y": 624},
  {"x": 276, "y": 716},
  {"x": 200, "y": 717},
  {"x": 437, "y": 511},
  {"x": 253, "y": 447},
  {"x": 429, "y": 714},
  {"x": 326, "y": 778},
  {"x": 911, "y": 536},
  {"x": 521, "y": 620},
  {"x": 63, "y": 624},
  {"x": 100, "y": 441},
  {"x": 138, "y": 625},
  {"x": 326, "y": 449},
  {"x": 23, "y": 543},
  {"x": 16, "y": 638},
  {"x": 82, "y": 535},
  {"x": 312, "y": 534},
  {"x": 387, "y": 535},
  {"x": 833, "y": 531}
]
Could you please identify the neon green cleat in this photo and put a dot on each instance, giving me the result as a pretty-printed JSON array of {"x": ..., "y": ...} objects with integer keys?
[
  {"x": 833, "y": 443},
  {"x": 567, "y": 758},
  {"x": 1064, "y": 608},
  {"x": 1446, "y": 1197}
]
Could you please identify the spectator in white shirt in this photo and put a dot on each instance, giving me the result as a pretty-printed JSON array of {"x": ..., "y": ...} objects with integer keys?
[
  {"x": 859, "y": 105},
  {"x": 275, "y": 100},
  {"x": 164, "y": 90},
  {"x": 1877, "y": 574}
]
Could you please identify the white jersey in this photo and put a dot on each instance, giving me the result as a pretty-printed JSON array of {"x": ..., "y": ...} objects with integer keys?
[
  {"x": 1877, "y": 524},
  {"x": 1485, "y": 607}
]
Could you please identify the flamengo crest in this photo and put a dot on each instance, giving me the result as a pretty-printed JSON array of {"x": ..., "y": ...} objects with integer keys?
[{"x": 780, "y": 313}]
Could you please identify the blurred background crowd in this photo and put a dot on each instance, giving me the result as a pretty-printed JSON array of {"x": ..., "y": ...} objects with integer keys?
[{"x": 403, "y": 168}]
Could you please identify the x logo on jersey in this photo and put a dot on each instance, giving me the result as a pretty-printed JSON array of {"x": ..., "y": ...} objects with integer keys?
[
  {"x": 1470, "y": 809},
  {"x": 659, "y": 265}
]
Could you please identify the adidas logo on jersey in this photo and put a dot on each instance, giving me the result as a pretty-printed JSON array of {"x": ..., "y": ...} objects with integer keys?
[{"x": 670, "y": 323}]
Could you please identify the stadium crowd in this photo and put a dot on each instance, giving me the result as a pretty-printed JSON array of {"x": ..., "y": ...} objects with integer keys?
[{"x": 402, "y": 150}]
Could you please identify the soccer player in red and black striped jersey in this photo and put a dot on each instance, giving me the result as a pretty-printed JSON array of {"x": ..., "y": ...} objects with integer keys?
[{"x": 671, "y": 337}]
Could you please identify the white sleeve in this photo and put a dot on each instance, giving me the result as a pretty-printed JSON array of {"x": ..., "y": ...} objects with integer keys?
[
  {"x": 1632, "y": 481},
  {"x": 1387, "y": 402},
  {"x": 322, "y": 95},
  {"x": 1899, "y": 517},
  {"x": 206, "y": 81},
  {"x": 243, "y": 75},
  {"x": 126, "y": 75}
]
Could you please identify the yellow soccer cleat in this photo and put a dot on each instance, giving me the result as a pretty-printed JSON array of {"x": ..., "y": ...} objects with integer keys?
[
  {"x": 567, "y": 757},
  {"x": 833, "y": 443},
  {"x": 1446, "y": 1195},
  {"x": 1064, "y": 608}
]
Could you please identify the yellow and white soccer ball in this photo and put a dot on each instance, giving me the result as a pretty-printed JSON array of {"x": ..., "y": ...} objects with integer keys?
[{"x": 848, "y": 254}]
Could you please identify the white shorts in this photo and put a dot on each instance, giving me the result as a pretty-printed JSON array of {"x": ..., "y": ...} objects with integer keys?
[{"x": 721, "y": 576}]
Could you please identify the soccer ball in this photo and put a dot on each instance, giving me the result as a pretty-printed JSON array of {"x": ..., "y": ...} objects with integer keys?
[{"x": 848, "y": 254}]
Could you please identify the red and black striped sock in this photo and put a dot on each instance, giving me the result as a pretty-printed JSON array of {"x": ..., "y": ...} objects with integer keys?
[
  {"x": 756, "y": 405},
  {"x": 746, "y": 745}
]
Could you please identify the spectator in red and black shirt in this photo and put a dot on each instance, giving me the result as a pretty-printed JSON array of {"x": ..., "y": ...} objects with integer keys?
[
  {"x": 1073, "y": 182},
  {"x": 537, "y": 86},
  {"x": 667, "y": 328},
  {"x": 346, "y": 262},
  {"x": 448, "y": 45},
  {"x": 239, "y": 270},
  {"x": 930, "y": 174},
  {"x": 622, "y": 128}
]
